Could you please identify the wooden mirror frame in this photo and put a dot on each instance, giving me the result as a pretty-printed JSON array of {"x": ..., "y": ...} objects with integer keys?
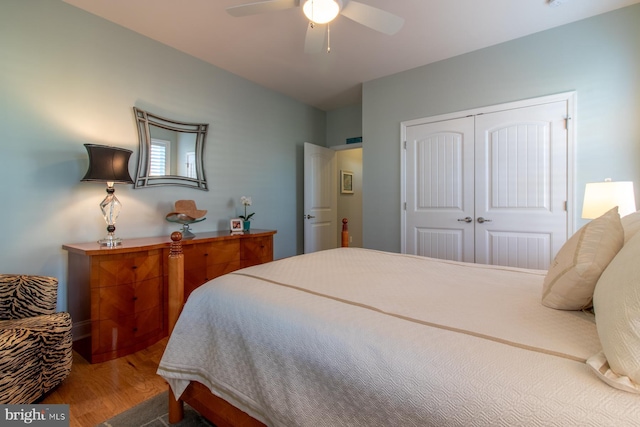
[{"x": 144, "y": 179}]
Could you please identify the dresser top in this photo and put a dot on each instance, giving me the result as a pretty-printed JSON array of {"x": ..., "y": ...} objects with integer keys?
[{"x": 149, "y": 243}]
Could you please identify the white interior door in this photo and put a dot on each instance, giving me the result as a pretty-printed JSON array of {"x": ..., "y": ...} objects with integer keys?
[
  {"x": 489, "y": 186},
  {"x": 521, "y": 185},
  {"x": 440, "y": 189},
  {"x": 320, "y": 198}
]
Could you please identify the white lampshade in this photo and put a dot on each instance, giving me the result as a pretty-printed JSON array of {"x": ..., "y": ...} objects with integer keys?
[
  {"x": 599, "y": 197},
  {"x": 321, "y": 11}
]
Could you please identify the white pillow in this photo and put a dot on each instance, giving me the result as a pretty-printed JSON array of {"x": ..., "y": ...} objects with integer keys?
[
  {"x": 616, "y": 302},
  {"x": 631, "y": 225},
  {"x": 572, "y": 277}
]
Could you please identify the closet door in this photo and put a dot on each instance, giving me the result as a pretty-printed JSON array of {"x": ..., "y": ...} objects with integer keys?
[
  {"x": 490, "y": 187},
  {"x": 521, "y": 185},
  {"x": 439, "y": 216}
]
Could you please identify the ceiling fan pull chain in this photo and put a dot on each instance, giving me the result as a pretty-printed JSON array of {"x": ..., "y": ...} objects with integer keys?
[{"x": 328, "y": 39}]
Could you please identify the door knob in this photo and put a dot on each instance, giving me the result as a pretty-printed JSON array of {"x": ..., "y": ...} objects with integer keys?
[
  {"x": 481, "y": 220},
  {"x": 467, "y": 219},
  {"x": 309, "y": 216}
]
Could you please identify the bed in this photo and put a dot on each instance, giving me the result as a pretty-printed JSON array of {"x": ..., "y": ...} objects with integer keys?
[{"x": 357, "y": 337}]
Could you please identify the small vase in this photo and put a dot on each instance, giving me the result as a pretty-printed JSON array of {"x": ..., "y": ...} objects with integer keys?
[{"x": 246, "y": 225}]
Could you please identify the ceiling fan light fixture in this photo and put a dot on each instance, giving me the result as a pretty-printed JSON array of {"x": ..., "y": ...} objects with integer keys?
[{"x": 321, "y": 11}]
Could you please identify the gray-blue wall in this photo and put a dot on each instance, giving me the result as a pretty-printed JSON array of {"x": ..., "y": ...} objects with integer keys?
[
  {"x": 344, "y": 123},
  {"x": 598, "y": 57},
  {"x": 68, "y": 78}
]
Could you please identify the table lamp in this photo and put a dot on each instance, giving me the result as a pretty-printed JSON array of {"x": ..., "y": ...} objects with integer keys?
[
  {"x": 599, "y": 197},
  {"x": 110, "y": 165}
]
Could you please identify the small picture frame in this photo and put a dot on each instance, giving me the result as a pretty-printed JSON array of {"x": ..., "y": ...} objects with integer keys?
[
  {"x": 346, "y": 182},
  {"x": 236, "y": 225}
]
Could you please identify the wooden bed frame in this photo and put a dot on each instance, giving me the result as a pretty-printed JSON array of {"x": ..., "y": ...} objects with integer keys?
[{"x": 199, "y": 397}]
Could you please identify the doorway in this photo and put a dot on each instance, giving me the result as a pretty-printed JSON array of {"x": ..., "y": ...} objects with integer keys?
[
  {"x": 326, "y": 202},
  {"x": 350, "y": 203}
]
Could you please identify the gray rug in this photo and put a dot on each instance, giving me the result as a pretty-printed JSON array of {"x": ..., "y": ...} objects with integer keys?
[{"x": 155, "y": 413}]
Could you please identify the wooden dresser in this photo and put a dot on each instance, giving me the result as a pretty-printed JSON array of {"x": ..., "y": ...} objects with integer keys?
[{"x": 117, "y": 297}]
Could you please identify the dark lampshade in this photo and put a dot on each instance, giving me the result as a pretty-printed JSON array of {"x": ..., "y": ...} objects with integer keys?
[{"x": 108, "y": 164}]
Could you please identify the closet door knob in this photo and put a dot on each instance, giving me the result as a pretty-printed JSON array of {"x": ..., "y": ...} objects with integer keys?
[
  {"x": 467, "y": 219},
  {"x": 481, "y": 220}
]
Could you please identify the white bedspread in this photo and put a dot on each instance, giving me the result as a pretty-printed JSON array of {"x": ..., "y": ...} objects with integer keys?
[{"x": 354, "y": 337}]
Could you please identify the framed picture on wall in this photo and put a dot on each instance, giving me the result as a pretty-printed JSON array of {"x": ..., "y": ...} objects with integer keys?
[{"x": 346, "y": 182}]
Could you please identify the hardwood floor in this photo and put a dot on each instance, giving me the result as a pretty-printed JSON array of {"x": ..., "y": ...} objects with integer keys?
[{"x": 97, "y": 392}]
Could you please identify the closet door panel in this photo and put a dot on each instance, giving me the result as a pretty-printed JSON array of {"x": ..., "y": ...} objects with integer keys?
[
  {"x": 439, "y": 189},
  {"x": 521, "y": 185}
]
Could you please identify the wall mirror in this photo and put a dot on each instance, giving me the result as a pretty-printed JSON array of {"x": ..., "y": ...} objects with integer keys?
[{"x": 171, "y": 153}]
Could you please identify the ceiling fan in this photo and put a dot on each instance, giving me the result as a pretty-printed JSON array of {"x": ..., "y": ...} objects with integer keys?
[{"x": 321, "y": 12}]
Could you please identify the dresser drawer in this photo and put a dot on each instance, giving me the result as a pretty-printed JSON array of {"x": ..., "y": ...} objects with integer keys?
[
  {"x": 256, "y": 251},
  {"x": 216, "y": 270},
  {"x": 126, "y": 334},
  {"x": 113, "y": 270},
  {"x": 206, "y": 261},
  {"x": 124, "y": 300},
  {"x": 204, "y": 254},
  {"x": 113, "y": 334}
]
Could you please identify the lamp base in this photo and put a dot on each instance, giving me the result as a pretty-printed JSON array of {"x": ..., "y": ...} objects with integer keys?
[
  {"x": 110, "y": 208},
  {"x": 110, "y": 241}
]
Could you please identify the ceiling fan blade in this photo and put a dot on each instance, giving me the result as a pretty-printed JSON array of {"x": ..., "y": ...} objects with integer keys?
[
  {"x": 372, "y": 17},
  {"x": 314, "y": 40},
  {"x": 261, "y": 7}
]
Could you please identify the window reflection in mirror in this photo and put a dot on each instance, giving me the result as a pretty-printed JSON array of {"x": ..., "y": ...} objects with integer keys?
[{"x": 171, "y": 152}]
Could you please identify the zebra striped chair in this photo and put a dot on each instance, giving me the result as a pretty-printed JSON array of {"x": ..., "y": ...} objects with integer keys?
[{"x": 35, "y": 341}]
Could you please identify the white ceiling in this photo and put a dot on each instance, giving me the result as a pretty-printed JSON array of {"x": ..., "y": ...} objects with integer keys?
[{"x": 268, "y": 49}]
